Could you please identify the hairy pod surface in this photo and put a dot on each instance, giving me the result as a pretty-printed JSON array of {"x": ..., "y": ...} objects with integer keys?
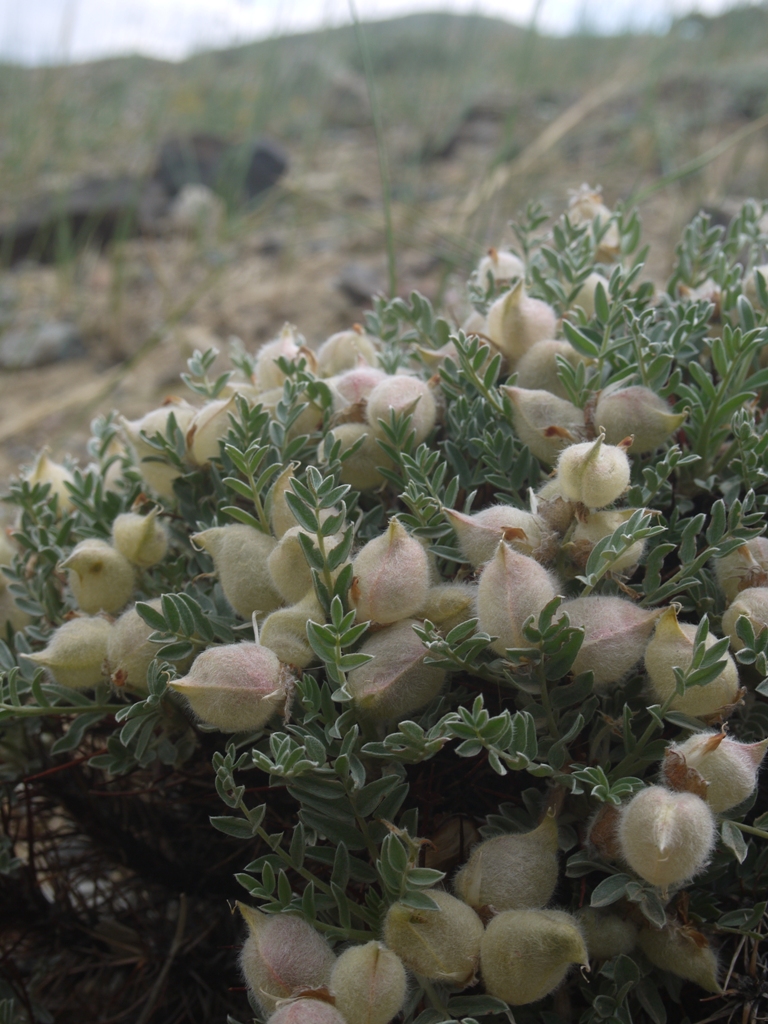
[
  {"x": 442, "y": 944},
  {"x": 101, "y": 578},
  {"x": 75, "y": 652},
  {"x": 368, "y": 983},
  {"x": 240, "y": 556},
  {"x": 512, "y": 588}
]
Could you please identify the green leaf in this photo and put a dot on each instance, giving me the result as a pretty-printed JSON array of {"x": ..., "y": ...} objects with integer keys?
[
  {"x": 733, "y": 838},
  {"x": 237, "y": 827}
]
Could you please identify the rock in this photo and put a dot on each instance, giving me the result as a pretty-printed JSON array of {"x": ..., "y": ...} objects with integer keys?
[
  {"x": 234, "y": 171},
  {"x": 347, "y": 104},
  {"x": 28, "y": 347},
  {"x": 360, "y": 283}
]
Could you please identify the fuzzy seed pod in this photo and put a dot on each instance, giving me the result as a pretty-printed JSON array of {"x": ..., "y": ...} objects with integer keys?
[
  {"x": 450, "y": 844},
  {"x": 75, "y": 653},
  {"x": 240, "y": 555},
  {"x": 142, "y": 539},
  {"x": 597, "y": 525},
  {"x": 615, "y": 636},
  {"x": 285, "y": 631},
  {"x": 369, "y": 984},
  {"x": 449, "y": 604},
  {"x": 443, "y": 944},
  {"x": 46, "y": 471},
  {"x": 585, "y": 297},
  {"x": 501, "y": 264},
  {"x": 281, "y": 956},
  {"x": 100, "y": 576},
  {"x": 158, "y": 476},
  {"x": 479, "y": 534},
  {"x": 515, "y": 322},
  {"x": 606, "y": 934},
  {"x": 210, "y": 425},
  {"x": 403, "y": 394},
  {"x": 474, "y": 323},
  {"x": 280, "y": 516},
  {"x": 354, "y": 386},
  {"x": 640, "y": 412},
  {"x": 235, "y": 687},
  {"x": 753, "y": 603},
  {"x": 512, "y": 872},
  {"x": 683, "y": 952},
  {"x": 361, "y": 470},
  {"x": 307, "y": 1011},
  {"x": 130, "y": 653},
  {"x": 344, "y": 351},
  {"x": 537, "y": 369},
  {"x": 666, "y": 837},
  {"x": 391, "y": 576},
  {"x": 396, "y": 681},
  {"x": 671, "y": 646},
  {"x": 584, "y": 206},
  {"x": 512, "y": 588},
  {"x": 527, "y": 953},
  {"x": 288, "y": 566},
  {"x": 730, "y": 768},
  {"x": 744, "y": 568},
  {"x": 286, "y": 346},
  {"x": 546, "y": 423},
  {"x": 309, "y": 420},
  {"x": 593, "y": 473}
]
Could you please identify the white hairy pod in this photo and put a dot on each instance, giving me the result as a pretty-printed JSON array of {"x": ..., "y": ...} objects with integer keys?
[
  {"x": 235, "y": 687},
  {"x": 442, "y": 944},
  {"x": 344, "y": 351},
  {"x": 683, "y": 952},
  {"x": 515, "y": 322},
  {"x": 280, "y": 516},
  {"x": 526, "y": 954},
  {"x": 753, "y": 603},
  {"x": 512, "y": 588},
  {"x": 157, "y": 474},
  {"x": 616, "y": 633},
  {"x": 362, "y": 469},
  {"x": 585, "y": 297},
  {"x": 240, "y": 555},
  {"x": 210, "y": 425},
  {"x": 449, "y": 604},
  {"x": 666, "y": 837},
  {"x": 639, "y": 412},
  {"x": 46, "y": 471},
  {"x": 101, "y": 578},
  {"x": 75, "y": 652},
  {"x": 584, "y": 207},
  {"x": 288, "y": 566},
  {"x": 403, "y": 394},
  {"x": 142, "y": 539},
  {"x": 744, "y": 568},
  {"x": 593, "y": 473},
  {"x": 479, "y": 534},
  {"x": 544, "y": 422},
  {"x": 512, "y": 872},
  {"x": 391, "y": 576},
  {"x": 284, "y": 631},
  {"x": 670, "y": 647},
  {"x": 606, "y": 934},
  {"x": 728, "y": 768},
  {"x": 593, "y": 527},
  {"x": 501, "y": 264},
  {"x": 537, "y": 370},
  {"x": 396, "y": 681},
  {"x": 307, "y": 1011},
  {"x": 286, "y": 346},
  {"x": 368, "y": 983}
]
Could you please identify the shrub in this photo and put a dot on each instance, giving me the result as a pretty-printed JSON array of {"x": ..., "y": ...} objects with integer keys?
[{"x": 359, "y": 733}]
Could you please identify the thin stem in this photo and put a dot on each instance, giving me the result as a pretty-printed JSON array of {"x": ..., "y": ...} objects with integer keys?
[
  {"x": 33, "y": 711},
  {"x": 378, "y": 131},
  {"x": 432, "y": 996},
  {"x": 260, "y": 513},
  {"x": 547, "y": 703},
  {"x": 751, "y": 829},
  {"x": 350, "y": 933},
  {"x": 634, "y": 756}
]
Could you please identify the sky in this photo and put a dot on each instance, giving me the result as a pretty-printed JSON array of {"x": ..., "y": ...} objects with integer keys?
[{"x": 45, "y": 31}]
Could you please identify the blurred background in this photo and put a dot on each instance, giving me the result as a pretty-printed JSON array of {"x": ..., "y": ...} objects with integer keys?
[{"x": 175, "y": 173}]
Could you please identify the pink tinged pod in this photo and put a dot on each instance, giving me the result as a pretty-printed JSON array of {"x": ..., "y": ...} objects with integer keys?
[
  {"x": 403, "y": 394},
  {"x": 286, "y": 345},
  {"x": 640, "y": 412},
  {"x": 512, "y": 588},
  {"x": 240, "y": 556},
  {"x": 545, "y": 423},
  {"x": 479, "y": 534},
  {"x": 442, "y": 944},
  {"x": 354, "y": 386},
  {"x": 515, "y": 322},
  {"x": 449, "y": 604},
  {"x": 396, "y": 681},
  {"x": 597, "y": 525},
  {"x": 368, "y": 983},
  {"x": 593, "y": 473},
  {"x": 307, "y": 1011},
  {"x": 683, "y": 952},
  {"x": 666, "y": 837},
  {"x": 344, "y": 350},
  {"x": 512, "y": 872},
  {"x": 616, "y": 633},
  {"x": 526, "y": 954},
  {"x": 391, "y": 576},
  {"x": 670, "y": 647},
  {"x": 753, "y": 603},
  {"x": 283, "y": 955},
  {"x": 728, "y": 767},
  {"x": 101, "y": 578},
  {"x": 235, "y": 687}
]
